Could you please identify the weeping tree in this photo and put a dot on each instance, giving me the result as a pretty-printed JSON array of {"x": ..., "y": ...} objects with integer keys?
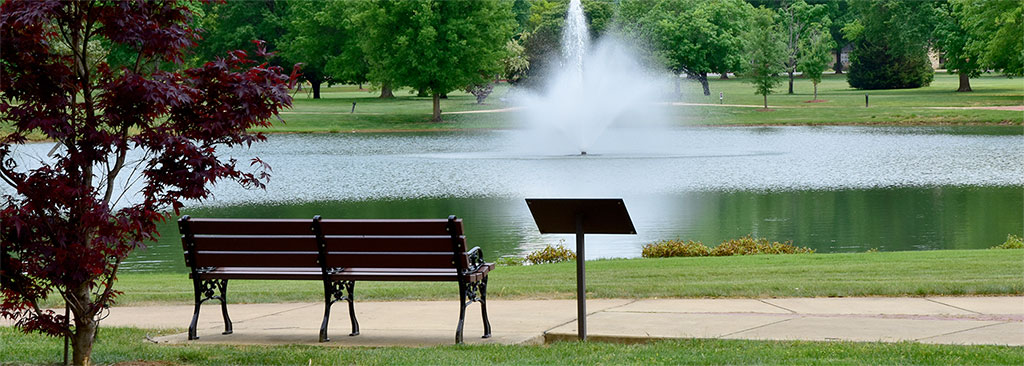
[{"x": 132, "y": 141}]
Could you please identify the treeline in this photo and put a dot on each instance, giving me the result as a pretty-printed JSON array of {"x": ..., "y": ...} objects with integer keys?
[{"x": 438, "y": 46}]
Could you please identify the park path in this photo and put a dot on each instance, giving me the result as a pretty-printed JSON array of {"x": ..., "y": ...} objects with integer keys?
[{"x": 939, "y": 320}]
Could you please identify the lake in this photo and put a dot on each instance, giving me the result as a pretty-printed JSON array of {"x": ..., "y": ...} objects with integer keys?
[{"x": 834, "y": 189}]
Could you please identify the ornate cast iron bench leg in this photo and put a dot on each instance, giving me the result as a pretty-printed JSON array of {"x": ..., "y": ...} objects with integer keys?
[
  {"x": 333, "y": 293},
  {"x": 205, "y": 290},
  {"x": 483, "y": 308},
  {"x": 469, "y": 293},
  {"x": 462, "y": 311}
]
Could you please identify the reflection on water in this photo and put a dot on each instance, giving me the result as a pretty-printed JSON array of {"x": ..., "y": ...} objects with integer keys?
[
  {"x": 888, "y": 219},
  {"x": 830, "y": 188}
]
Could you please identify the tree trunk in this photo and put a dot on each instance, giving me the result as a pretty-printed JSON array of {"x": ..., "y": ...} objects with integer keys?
[
  {"x": 703, "y": 77},
  {"x": 725, "y": 76},
  {"x": 422, "y": 93},
  {"x": 815, "y": 91},
  {"x": 85, "y": 327},
  {"x": 790, "y": 71},
  {"x": 965, "y": 83},
  {"x": 838, "y": 67},
  {"x": 385, "y": 92},
  {"x": 437, "y": 108},
  {"x": 766, "y": 101},
  {"x": 316, "y": 89}
]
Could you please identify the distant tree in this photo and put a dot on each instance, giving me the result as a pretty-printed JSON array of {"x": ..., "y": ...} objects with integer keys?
[
  {"x": 840, "y": 15},
  {"x": 766, "y": 50},
  {"x": 994, "y": 28},
  {"x": 311, "y": 39},
  {"x": 516, "y": 63},
  {"x": 798, "y": 19},
  {"x": 233, "y": 25},
  {"x": 437, "y": 45},
  {"x": 891, "y": 40},
  {"x": 815, "y": 55},
  {"x": 131, "y": 143},
  {"x": 695, "y": 37},
  {"x": 952, "y": 38}
]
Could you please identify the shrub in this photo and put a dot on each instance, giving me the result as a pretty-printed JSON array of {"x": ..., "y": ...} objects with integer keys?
[
  {"x": 551, "y": 254},
  {"x": 1012, "y": 242},
  {"x": 675, "y": 248},
  {"x": 748, "y": 245}
]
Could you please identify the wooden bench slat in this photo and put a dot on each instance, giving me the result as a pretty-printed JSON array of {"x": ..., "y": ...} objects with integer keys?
[
  {"x": 251, "y": 226},
  {"x": 387, "y": 227},
  {"x": 256, "y": 242},
  {"x": 391, "y": 243},
  {"x": 256, "y": 259},
  {"x": 264, "y": 273},
  {"x": 392, "y": 259}
]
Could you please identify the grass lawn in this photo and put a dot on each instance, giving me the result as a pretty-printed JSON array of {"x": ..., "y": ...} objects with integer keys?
[
  {"x": 944, "y": 272},
  {"x": 117, "y": 345},
  {"x": 842, "y": 105}
]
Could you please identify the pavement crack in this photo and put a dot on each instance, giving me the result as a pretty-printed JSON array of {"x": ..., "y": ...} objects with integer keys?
[
  {"x": 274, "y": 313},
  {"x": 780, "y": 307},
  {"x": 758, "y": 327},
  {"x": 953, "y": 306},
  {"x": 618, "y": 306},
  {"x": 962, "y": 330}
]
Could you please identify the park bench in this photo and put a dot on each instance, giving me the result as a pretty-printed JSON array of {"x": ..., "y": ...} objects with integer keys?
[{"x": 337, "y": 252}]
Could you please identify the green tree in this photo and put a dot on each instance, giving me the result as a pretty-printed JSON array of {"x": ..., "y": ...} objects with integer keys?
[
  {"x": 799, "y": 19},
  {"x": 695, "y": 37},
  {"x": 437, "y": 45},
  {"x": 995, "y": 28},
  {"x": 815, "y": 55},
  {"x": 311, "y": 39},
  {"x": 234, "y": 25},
  {"x": 952, "y": 38},
  {"x": 766, "y": 50},
  {"x": 891, "y": 39}
]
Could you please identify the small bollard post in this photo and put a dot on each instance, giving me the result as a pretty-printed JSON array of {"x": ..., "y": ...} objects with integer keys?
[
  {"x": 721, "y": 97},
  {"x": 865, "y": 100},
  {"x": 353, "y": 107}
]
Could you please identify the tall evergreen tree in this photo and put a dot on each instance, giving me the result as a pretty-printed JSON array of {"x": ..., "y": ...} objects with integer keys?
[{"x": 891, "y": 44}]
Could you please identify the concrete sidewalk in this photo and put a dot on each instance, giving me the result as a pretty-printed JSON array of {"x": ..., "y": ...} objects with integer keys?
[{"x": 945, "y": 320}]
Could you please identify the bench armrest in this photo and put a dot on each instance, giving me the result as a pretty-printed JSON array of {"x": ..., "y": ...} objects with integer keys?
[{"x": 476, "y": 258}]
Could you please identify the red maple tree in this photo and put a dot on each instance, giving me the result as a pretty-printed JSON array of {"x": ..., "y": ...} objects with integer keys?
[{"x": 90, "y": 76}]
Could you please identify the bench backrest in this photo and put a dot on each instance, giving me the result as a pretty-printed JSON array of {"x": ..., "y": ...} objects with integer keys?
[
  {"x": 409, "y": 243},
  {"x": 248, "y": 242}
]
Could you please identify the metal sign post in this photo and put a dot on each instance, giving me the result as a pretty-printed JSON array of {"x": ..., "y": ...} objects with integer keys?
[{"x": 580, "y": 216}]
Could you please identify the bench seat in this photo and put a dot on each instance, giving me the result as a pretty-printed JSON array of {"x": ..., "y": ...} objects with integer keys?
[
  {"x": 348, "y": 274},
  {"x": 409, "y": 274}
]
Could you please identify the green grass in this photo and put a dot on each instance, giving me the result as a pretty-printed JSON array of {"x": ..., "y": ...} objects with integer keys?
[
  {"x": 127, "y": 344},
  {"x": 843, "y": 105},
  {"x": 944, "y": 272}
]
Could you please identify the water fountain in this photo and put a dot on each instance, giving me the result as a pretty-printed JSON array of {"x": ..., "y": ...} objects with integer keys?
[{"x": 594, "y": 89}]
